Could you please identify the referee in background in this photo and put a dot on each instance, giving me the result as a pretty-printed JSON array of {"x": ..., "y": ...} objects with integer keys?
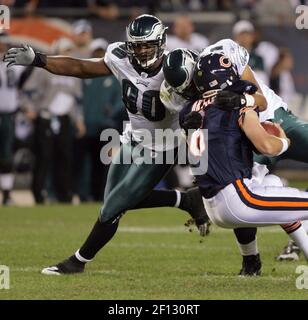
[
  {"x": 9, "y": 79},
  {"x": 56, "y": 100}
]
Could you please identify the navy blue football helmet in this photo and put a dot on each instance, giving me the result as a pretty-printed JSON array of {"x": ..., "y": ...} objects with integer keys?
[{"x": 214, "y": 72}]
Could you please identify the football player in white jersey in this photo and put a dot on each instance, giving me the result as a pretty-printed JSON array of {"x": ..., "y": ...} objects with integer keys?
[
  {"x": 137, "y": 64},
  {"x": 276, "y": 110},
  {"x": 9, "y": 79}
]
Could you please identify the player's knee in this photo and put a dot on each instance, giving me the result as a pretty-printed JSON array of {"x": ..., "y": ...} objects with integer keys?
[
  {"x": 245, "y": 235},
  {"x": 106, "y": 216}
]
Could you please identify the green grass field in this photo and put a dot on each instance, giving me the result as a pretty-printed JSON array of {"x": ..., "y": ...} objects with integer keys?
[{"x": 152, "y": 256}]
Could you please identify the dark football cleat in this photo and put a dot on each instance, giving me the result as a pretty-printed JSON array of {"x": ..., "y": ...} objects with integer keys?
[
  {"x": 193, "y": 204},
  {"x": 251, "y": 266},
  {"x": 67, "y": 266},
  {"x": 289, "y": 253}
]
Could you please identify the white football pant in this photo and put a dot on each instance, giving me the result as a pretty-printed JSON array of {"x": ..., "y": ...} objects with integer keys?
[{"x": 256, "y": 202}]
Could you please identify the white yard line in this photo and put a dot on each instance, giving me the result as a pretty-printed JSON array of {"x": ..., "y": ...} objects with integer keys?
[
  {"x": 161, "y": 245},
  {"x": 180, "y": 229},
  {"x": 205, "y": 275}
]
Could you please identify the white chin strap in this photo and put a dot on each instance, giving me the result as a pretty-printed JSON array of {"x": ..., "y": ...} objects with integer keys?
[{"x": 148, "y": 63}]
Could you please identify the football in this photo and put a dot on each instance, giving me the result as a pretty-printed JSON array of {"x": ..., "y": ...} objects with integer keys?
[{"x": 270, "y": 128}]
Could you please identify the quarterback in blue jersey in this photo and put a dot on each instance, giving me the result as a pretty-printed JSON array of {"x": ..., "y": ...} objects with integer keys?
[
  {"x": 239, "y": 193},
  {"x": 178, "y": 90}
]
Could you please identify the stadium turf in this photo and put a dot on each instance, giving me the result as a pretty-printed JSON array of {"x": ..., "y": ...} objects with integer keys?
[{"x": 152, "y": 256}]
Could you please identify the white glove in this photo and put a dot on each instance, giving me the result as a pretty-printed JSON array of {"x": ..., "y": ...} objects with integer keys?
[
  {"x": 20, "y": 56},
  {"x": 171, "y": 100}
]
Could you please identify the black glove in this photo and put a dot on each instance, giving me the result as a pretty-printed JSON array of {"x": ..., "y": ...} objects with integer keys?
[
  {"x": 193, "y": 120},
  {"x": 243, "y": 86},
  {"x": 229, "y": 100}
]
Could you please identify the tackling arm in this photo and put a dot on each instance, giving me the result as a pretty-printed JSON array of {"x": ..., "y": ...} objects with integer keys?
[
  {"x": 264, "y": 142},
  {"x": 260, "y": 100}
]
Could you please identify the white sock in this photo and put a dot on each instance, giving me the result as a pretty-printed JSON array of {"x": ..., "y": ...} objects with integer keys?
[
  {"x": 6, "y": 181},
  {"x": 80, "y": 258},
  {"x": 300, "y": 237},
  {"x": 178, "y": 198},
  {"x": 249, "y": 249},
  {"x": 305, "y": 225}
]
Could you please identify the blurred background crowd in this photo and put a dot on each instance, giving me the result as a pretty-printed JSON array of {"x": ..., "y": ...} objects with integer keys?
[
  {"x": 50, "y": 125},
  {"x": 112, "y": 9}
]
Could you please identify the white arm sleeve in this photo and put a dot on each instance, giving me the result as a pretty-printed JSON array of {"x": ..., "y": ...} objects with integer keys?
[
  {"x": 171, "y": 100},
  {"x": 238, "y": 55}
]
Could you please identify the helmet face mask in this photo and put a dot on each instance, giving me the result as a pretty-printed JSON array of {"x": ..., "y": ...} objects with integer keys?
[
  {"x": 146, "y": 41},
  {"x": 144, "y": 54}
]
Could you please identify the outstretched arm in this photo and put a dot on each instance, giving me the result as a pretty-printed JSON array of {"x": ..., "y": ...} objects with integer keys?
[
  {"x": 61, "y": 65},
  {"x": 81, "y": 68}
]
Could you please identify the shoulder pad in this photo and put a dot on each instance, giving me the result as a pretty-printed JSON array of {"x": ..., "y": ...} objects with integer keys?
[{"x": 120, "y": 51}]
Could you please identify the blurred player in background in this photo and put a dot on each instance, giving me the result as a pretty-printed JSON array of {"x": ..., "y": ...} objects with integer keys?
[
  {"x": 103, "y": 112},
  {"x": 265, "y": 49},
  {"x": 281, "y": 79},
  {"x": 244, "y": 34},
  {"x": 9, "y": 79},
  {"x": 58, "y": 111},
  {"x": 184, "y": 35},
  {"x": 82, "y": 35}
]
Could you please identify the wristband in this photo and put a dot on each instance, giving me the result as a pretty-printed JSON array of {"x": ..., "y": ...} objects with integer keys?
[
  {"x": 250, "y": 100},
  {"x": 285, "y": 146},
  {"x": 40, "y": 60}
]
